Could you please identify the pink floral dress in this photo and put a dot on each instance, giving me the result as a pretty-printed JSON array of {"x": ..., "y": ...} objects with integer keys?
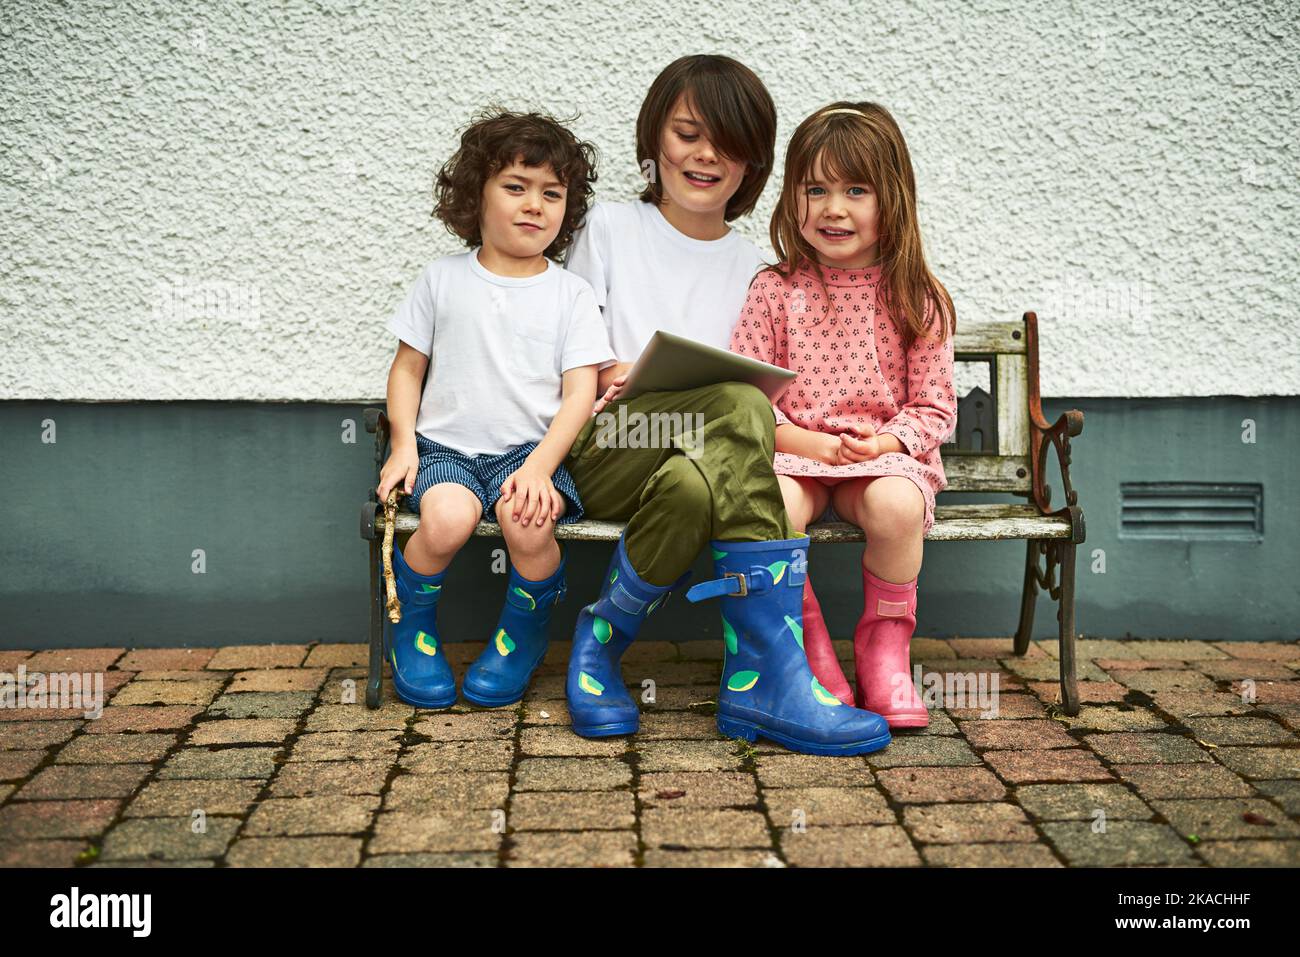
[{"x": 853, "y": 370}]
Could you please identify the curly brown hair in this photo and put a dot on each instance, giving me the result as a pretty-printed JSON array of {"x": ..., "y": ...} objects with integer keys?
[{"x": 492, "y": 141}]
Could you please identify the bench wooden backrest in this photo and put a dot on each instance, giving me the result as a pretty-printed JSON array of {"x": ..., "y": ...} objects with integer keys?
[{"x": 990, "y": 451}]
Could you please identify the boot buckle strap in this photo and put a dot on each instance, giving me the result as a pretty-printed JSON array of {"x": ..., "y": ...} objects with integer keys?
[{"x": 736, "y": 584}]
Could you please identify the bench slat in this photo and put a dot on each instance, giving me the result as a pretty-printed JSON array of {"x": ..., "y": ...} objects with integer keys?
[
  {"x": 952, "y": 523},
  {"x": 977, "y": 337},
  {"x": 986, "y": 473}
]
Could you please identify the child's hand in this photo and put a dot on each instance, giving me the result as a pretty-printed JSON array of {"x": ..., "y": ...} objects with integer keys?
[
  {"x": 860, "y": 447},
  {"x": 530, "y": 491},
  {"x": 828, "y": 449},
  {"x": 402, "y": 467},
  {"x": 612, "y": 393}
]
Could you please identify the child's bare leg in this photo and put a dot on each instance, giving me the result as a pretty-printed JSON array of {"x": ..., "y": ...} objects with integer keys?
[
  {"x": 805, "y": 499},
  {"x": 533, "y": 549},
  {"x": 891, "y": 510},
  {"x": 448, "y": 514}
]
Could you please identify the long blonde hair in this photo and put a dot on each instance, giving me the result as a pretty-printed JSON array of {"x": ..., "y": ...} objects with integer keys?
[{"x": 861, "y": 143}]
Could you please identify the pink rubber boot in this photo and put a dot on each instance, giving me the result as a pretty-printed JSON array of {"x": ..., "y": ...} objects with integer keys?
[
  {"x": 882, "y": 653},
  {"x": 821, "y": 653}
]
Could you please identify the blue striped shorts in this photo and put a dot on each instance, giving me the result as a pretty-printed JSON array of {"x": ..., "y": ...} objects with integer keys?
[{"x": 483, "y": 475}]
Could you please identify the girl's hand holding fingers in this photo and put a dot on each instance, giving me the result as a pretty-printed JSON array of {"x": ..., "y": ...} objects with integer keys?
[{"x": 862, "y": 447}]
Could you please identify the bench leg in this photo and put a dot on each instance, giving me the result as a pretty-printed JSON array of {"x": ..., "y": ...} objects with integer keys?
[
  {"x": 1028, "y": 598},
  {"x": 375, "y": 676},
  {"x": 1065, "y": 615}
]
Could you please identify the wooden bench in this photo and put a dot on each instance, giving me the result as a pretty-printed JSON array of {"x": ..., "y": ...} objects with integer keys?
[{"x": 1002, "y": 444}]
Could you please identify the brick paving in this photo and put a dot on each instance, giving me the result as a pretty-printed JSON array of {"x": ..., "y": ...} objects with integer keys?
[{"x": 1184, "y": 753}]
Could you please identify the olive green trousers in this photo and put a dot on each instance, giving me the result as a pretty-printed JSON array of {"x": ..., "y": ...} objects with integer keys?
[{"x": 681, "y": 468}]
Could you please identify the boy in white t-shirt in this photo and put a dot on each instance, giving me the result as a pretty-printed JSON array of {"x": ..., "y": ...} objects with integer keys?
[{"x": 511, "y": 343}]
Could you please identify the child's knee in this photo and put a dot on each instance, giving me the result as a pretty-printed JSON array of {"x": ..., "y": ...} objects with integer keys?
[
  {"x": 679, "y": 488},
  {"x": 893, "y": 506},
  {"x": 448, "y": 514}
]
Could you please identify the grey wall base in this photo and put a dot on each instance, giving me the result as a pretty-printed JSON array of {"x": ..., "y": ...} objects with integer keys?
[{"x": 101, "y": 529}]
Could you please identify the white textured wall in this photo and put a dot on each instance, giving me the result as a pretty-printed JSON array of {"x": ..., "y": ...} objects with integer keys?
[{"x": 221, "y": 201}]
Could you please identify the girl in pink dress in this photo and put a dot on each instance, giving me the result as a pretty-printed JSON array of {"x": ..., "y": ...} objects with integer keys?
[{"x": 852, "y": 307}]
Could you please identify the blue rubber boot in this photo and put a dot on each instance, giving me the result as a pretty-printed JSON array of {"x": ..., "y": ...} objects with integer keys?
[
  {"x": 767, "y": 689},
  {"x": 599, "y": 705},
  {"x": 421, "y": 673},
  {"x": 500, "y": 675}
]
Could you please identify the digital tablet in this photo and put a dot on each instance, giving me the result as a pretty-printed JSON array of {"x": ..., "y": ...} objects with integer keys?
[{"x": 672, "y": 363}]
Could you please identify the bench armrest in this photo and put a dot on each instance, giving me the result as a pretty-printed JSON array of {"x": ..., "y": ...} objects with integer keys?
[{"x": 1057, "y": 434}]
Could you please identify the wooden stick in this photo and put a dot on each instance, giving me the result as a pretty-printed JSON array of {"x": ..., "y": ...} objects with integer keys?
[{"x": 393, "y": 606}]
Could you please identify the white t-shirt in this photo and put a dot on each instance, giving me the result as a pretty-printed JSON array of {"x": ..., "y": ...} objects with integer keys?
[
  {"x": 649, "y": 276},
  {"x": 497, "y": 349}
]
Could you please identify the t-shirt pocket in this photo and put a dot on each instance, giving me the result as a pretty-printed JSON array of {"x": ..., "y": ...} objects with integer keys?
[{"x": 532, "y": 349}]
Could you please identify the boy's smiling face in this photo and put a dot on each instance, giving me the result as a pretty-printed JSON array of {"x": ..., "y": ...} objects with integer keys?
[
  {"x": 523, "y": 209},
  {"x": 694, "y": 175}
]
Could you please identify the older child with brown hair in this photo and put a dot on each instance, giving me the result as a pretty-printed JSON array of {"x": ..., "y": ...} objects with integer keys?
[
  {"x": 853, "y": 308},
  {"x": 511, "y": 343}
]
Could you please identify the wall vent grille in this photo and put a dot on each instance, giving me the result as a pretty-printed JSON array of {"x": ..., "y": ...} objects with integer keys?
[{"x": 1186, "y": 511}]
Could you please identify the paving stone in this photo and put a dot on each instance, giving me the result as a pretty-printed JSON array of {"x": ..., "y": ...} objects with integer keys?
[
  {"x": 26, "y": 820},
  {"x": 551, "y": 713},
  {"x": 115, "y": 748},
  {"x": 167, "y": 838},
  {"x": 1026, "y": 734},
  {"x": 709, "y": 649},
  {"x": 1226, "y": 818},
  {"x": 1285, "y": 793},
  {"x": 1090, "y": 692},
  {"x": 279, "y": 679},
  {"x": 885, "y": 845},
  {"x": 1013, "y": 705},
  {"x": 11, "y": 658},
  {"x": 1251, "y": 853},
  {"x": 496, "y": 725},
  {"x": 1183, "y": 780},
  {"x": 1139, "y": 664},
  {"x": 677, "y": 725},
  {"x": 467, "y": 791},
  {"x": 16, "y": 765},
  {"x": 346, "y": 746},
  {"x": 940, "y": 724},
  {"x": 142, "y": 718},
  {"x": 84, "y": 781},
  {"x": 440, "y": 757},
  {"x": 663, "y": 827},
  {"x": 206, "y": 764},
  {"x": 295, "y": 852},
  {"x": 5, "y": 791},
  {"x": 454, "y": 859},
  {"x": 1049, "y": 670},
  {"x": 657, "y": 651},
  {"x": 201, "y": 676},
  {"x": 1261, "y": 762},
  {"x": 312, "y": 778},
  {"x": 923, "y": 649},
  {"x": 936, "y": 785},
  {"x": 254, "y": 657},
  {"x": 807, "y": 770},
  {"x": 690, "y": 790},
  {"x": 1268, "y": 692},
  {"x": 547, "y": 686},
  {"x": 663, "y": 857},
  {"x": 1153, "y": 682},
  {"x": 990, "y": 648},
  {"x": 689, "y": 756},
  {"x": 1235, "y": 669},
  {"x": 571, "y": 774},
  {"x": 968, "y": 823},
  {"x": 183, "y": 798},
  {"x": 167, "y": 693},
  {"x": 37, "y": 735},
  {"x": 66, "y": 660},
  {"x": 697, "y": 698},
  {"x": 989, "y": 855},
  {"x": 242, "y": 731},
  {"x": 1239, "y": 731},
  {"x": 295, "y": 817},
  {"x": 560, "y": 849},
  {"x": 118, "y": 865},
  {"x": 27, "y": 853},
  {"x": 351, "y": 655},
  {"x": 569, "y": 811},
  {"x": 357, "y": 717},
  {"x": 823, "y": 806},
  {"x": 1122, "y": 843},
  {"x": 1117, "y": 717},
  {"x": 1200, "y": 704},
  {"x": 1140, "y": 747},
  {"x": 1047, "y": 766},
  {"x": 923, "y": 752},
  {"x": 166, "y": 659},
  {"x": 1265, "y": 650},
  {"x": 402, "y": 832},
  {"x": 560, "y": 742},
  {"x": 1081, "y": 802},
  {"x": 262, "y": 704}
]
